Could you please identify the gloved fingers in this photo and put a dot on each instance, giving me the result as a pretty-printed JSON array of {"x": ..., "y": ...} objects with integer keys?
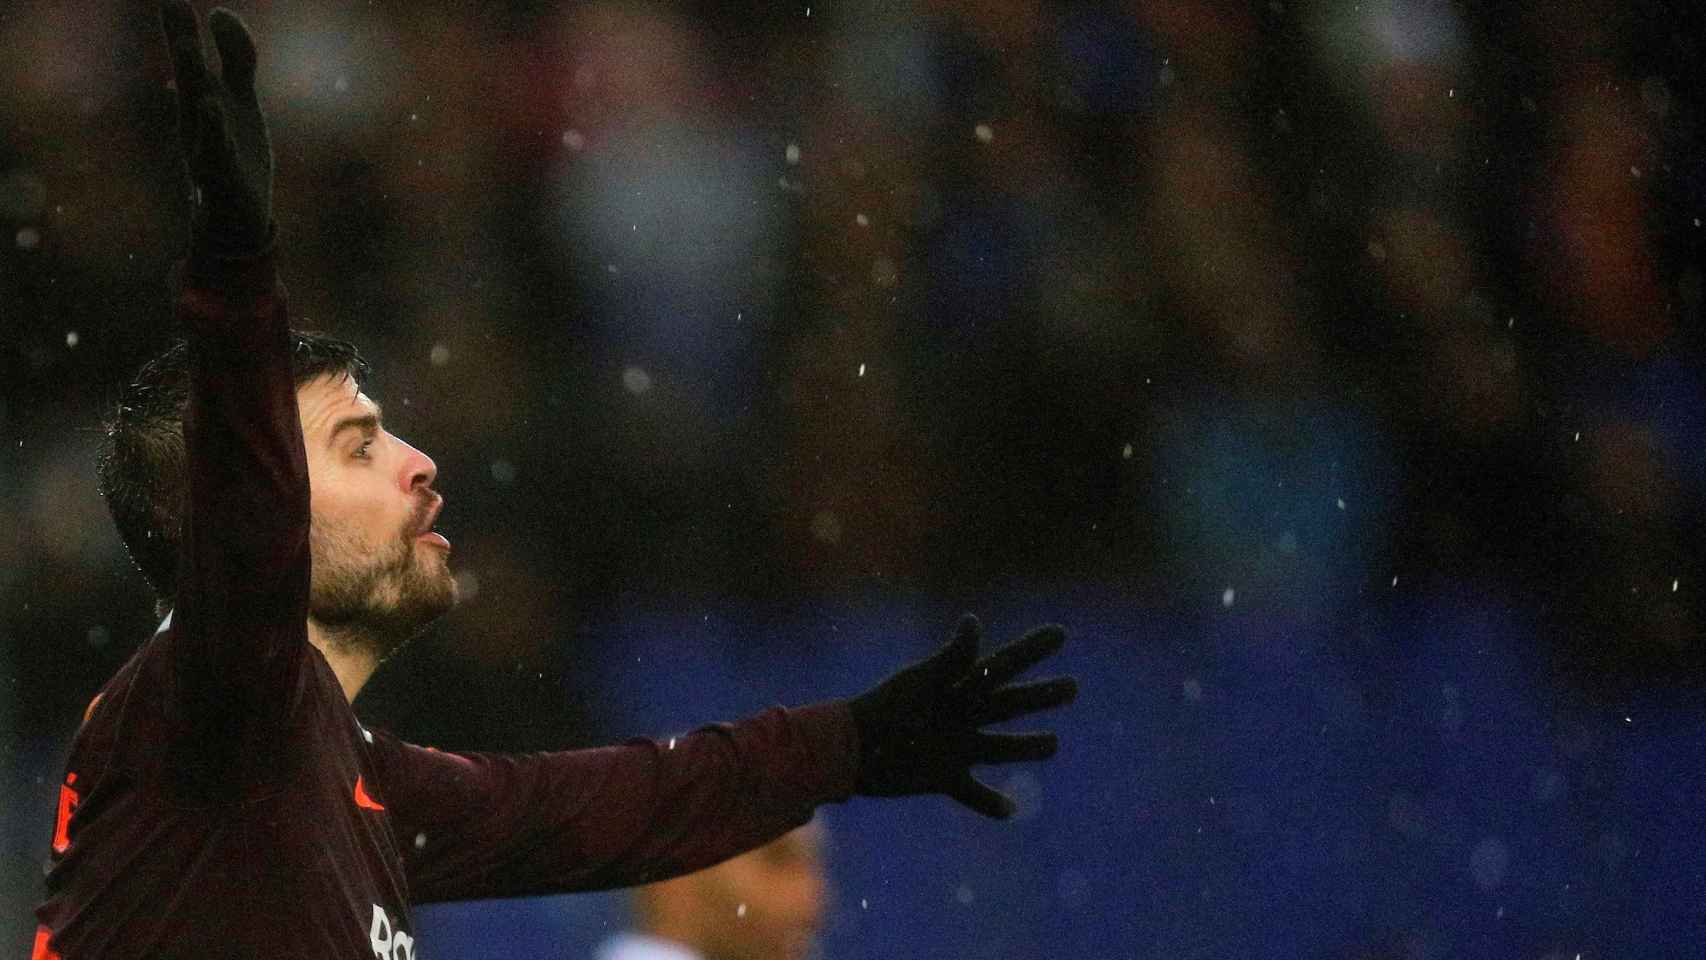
[
  {"x": 1016, "y": 701},
  {"x": 1003, "y": 665},
  {"x": 1014, "y": 747},
  {"x": 183, "y": 38},
  {"x": 236, "y": 53},
  {"x": 957, "y": 655},
  {"x": 980, "y": 797},
  {"x": 216, "y": 152}
]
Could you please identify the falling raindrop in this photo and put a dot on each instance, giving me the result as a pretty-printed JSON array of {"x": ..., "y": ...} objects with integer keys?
[
  {"x": 826, "y": 527},
  {"x": 467, "y": 585}
]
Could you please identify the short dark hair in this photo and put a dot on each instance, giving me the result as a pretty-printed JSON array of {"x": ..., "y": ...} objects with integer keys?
[{"x": 141, "y": 463}]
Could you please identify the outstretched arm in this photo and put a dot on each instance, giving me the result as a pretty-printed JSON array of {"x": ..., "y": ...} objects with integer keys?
[
  {"x": 239, "y": 615},
  {"x": 488, "y": 825}
]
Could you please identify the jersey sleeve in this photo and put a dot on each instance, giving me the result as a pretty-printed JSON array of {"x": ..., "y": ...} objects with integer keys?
[
  {"x": 239, "y": 616},
  {"x": 485, "y": 825}
]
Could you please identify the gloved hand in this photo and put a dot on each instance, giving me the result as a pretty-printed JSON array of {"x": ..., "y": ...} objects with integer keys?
[
  {"x": 918, "y": 730},
  {"x": 224, "y": 134}
]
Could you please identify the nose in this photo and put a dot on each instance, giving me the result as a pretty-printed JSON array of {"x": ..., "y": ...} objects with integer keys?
[{"x": 418, "y": 469}]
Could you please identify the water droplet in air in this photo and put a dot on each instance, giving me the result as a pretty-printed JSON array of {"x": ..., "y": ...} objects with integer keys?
[
  {"x": 440, "y": 355},
  {"x": 1488, "y": 863},
  {"x": 28, "y": 238},
  {"x": 826, "y": 527},
  {"x": 1655, "y": 96},
  {"x": 573, "y": 139},
  {"x": 862, "y": 220},
  {"x": 503, "y": 471},
  {"x": 985, "y": 133},
  {"x": 740, "y": 911},
  {"x": 1227, "y": 598},
  {"x": 636, "y": 381},
  {"x": 71, "y": 338},
  {"x": 792, "y": 154},
  {"x": 467, "y": 585}
]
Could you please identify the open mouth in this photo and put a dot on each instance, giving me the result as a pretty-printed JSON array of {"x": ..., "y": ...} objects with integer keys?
[{"x": 429, "y": 517}]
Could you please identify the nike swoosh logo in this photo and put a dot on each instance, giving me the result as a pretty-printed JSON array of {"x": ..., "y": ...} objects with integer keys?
[{"x": 364, "y": 801}]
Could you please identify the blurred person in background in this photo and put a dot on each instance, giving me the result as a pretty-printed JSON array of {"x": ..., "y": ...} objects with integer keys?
[
  {"x": 221, "y": 798},
  {"x": 762, "y": 905}
]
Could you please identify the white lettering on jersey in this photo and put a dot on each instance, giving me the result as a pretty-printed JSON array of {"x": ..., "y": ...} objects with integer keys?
[{"x": 389, "y": 944}]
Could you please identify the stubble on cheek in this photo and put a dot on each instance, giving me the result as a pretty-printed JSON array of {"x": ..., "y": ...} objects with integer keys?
[
  {"x": 350, "y": 576},
  {"x": 383, "y": 592}
]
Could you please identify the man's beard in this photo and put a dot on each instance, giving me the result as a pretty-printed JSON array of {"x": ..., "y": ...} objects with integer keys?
[{"x": 374, "y": 599}]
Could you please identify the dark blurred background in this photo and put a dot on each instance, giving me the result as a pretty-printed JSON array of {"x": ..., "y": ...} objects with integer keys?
[{"x": 1335, "y": 370}]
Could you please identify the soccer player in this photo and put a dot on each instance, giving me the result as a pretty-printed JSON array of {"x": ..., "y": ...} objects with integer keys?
[
  {"x": 221, "y": 799},
  {"x": 761, "y": 905}
]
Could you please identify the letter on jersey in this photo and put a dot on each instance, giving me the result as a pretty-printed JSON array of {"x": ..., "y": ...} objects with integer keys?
[{"x": 68, "y": 800}]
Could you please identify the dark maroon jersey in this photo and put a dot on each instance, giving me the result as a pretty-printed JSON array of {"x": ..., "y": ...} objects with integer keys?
[{"x": 221, "y": 800}]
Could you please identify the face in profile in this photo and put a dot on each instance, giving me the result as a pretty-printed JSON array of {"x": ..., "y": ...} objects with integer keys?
[
  {"x": 763, "y": 905},
  {"x": 380, "y": 574}
]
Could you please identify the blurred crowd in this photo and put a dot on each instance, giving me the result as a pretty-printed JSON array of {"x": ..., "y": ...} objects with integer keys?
[{"x": 1280, "y": 306}]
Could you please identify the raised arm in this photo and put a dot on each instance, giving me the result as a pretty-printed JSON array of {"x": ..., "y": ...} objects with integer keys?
[{"x": 239, "y": 615}]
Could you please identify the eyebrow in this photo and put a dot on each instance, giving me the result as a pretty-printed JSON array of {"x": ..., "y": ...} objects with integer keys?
[{"x": 367, "y": 422}]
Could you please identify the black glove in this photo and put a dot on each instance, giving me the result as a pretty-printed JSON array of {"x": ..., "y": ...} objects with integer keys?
[
  {"x": 224, "y": 135},
  {"x": 918, "y": 730}
]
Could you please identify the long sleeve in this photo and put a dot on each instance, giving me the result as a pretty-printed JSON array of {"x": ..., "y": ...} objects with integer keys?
[
  {"x": 239, "y": 620},
  {"x": 476, "y": 826}
]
